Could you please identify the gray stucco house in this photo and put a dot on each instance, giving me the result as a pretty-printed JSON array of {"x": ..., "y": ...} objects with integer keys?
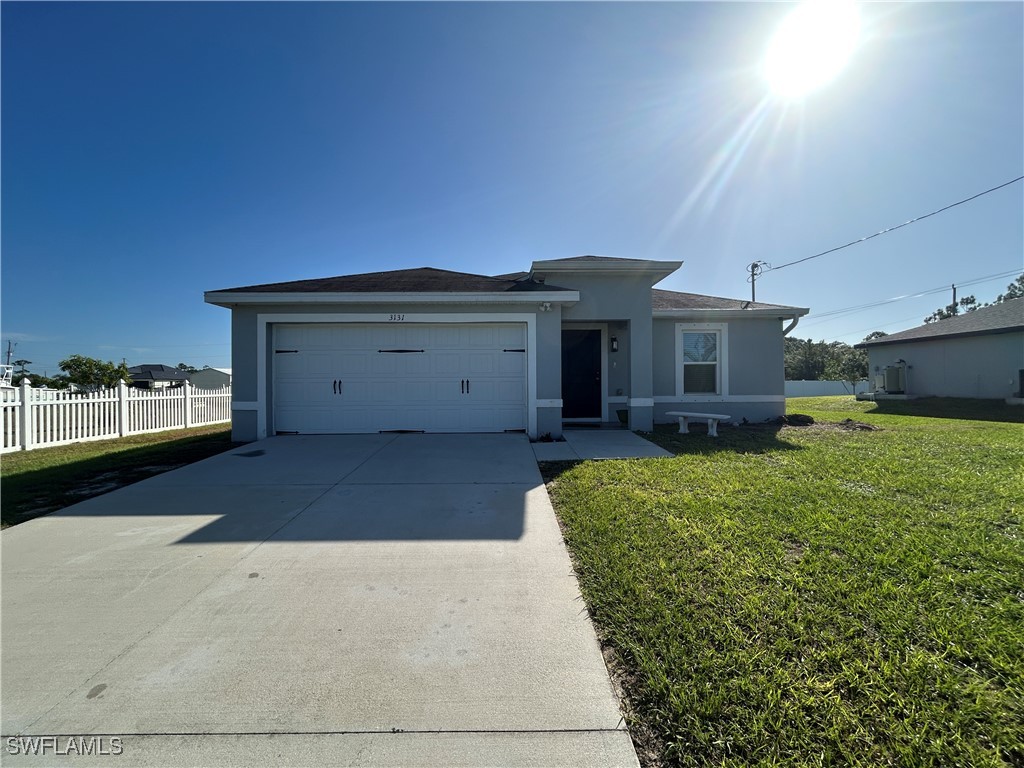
[
  {"x": 572, "y": 340},
  {"x": 976, "y": 354}
]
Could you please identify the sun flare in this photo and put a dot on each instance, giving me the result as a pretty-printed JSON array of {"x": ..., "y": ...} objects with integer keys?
[{"x": 811, "y": 46}]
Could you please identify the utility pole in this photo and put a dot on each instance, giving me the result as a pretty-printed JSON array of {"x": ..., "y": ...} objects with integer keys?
[
  {"x": 10, "y": 350},
  {"x": 756, "y": 268},
  {"x": 954, "y": 299}
]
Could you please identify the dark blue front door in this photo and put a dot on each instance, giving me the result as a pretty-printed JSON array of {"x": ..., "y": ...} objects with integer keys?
[{"x": 581, "y": 374}]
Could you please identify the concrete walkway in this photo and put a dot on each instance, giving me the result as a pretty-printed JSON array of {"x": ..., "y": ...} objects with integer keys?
[
  {"x": 338, "y": 600},
  {"x": 599, "y": 444}
]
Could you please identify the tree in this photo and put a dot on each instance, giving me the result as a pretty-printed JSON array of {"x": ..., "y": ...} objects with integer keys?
[
  {"x": 50, "y": 382},
  {"x": 847, "y": 364},
  {"x": 187, "y": 368},
  {"x": 968, "y": 303},
  {"x": 23, "y": 366},
  {"x": 1014, "y": 290},
  {"x": 808, "y": 360},
  {"x": 92, "y": 374},
  {"x": 875, "y": 335}
]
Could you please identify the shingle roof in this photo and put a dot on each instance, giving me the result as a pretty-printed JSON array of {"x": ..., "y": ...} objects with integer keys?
[
  {"x": 669, "y": 300},
  {"x": 157, "y": 373},
  {"x": 1005, "y": 317},
  {"x": 420, "y": 280}
]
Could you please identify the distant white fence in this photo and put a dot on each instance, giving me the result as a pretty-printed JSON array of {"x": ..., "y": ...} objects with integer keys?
[
  {"x": 824, "y": 388},
  {"x": 40, "y": 418}
]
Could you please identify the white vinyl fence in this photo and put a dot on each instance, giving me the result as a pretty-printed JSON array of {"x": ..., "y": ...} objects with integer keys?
[
  {"x": 824, "y": 388},
  {"x": 40, "y": 418}
]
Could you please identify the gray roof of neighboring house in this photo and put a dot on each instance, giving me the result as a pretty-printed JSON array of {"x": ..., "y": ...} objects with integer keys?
[
  {"x": 668, "y": 300},
  {"x": 157, "y": 373},
  {"x": 420, "y": 280},
  {"x": 1005, "y": 317}
]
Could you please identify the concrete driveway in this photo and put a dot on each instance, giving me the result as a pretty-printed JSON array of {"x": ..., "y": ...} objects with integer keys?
[{"x": 335, "y": 600}]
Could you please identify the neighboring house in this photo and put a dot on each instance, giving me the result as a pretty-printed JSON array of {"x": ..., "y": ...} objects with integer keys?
[
  {"x": 211, "y": 378},
  {"x": 572, "y": 340},
  {"x": 976, "y": 354},
  {"x": 156, "y": 376}
]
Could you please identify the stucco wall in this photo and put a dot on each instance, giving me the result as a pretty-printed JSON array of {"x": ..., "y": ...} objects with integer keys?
[
  {"x": 756, "y": 374},
  {"x": 972, "y": 366}
]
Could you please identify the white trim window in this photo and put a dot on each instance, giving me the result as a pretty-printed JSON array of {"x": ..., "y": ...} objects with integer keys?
[{"x": 701, "y": 354}]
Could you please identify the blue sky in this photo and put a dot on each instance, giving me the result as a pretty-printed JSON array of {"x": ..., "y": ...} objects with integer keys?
[{"x": 155, "y": 151}]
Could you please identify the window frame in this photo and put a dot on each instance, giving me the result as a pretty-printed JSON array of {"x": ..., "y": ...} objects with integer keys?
[{"x": 722, "y": 378}]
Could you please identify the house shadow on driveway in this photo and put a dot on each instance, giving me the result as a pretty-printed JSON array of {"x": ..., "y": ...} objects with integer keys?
[
  {"x": 349, "y": 488},
  {"x": 30, "y": 493}
]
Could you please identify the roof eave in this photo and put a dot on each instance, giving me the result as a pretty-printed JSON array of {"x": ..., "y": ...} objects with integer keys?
[
  {"x": 230, "y": 299},
  {"x": 782, "y": 313},
  {"x": 886, "y": 341},
  {"x": 642, "y": 266}
]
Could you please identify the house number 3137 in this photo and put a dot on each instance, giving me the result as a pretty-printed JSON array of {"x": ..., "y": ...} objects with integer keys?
[{"x": 396, "y": 318}]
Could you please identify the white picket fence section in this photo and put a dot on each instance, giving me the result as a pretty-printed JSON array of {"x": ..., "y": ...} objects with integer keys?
[
  {"x": 824, "y": 388},
  {"x": 40, "y": 418}
]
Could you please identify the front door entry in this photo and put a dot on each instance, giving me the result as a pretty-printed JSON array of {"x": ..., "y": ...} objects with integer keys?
[{"x": 581, "y": 374}]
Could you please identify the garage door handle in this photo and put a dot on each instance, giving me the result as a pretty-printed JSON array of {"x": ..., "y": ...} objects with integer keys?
[
  {"x": 334, "y": 386},
  {"x": 467, "y": 386},
  {"x": 462, "y": 386}
]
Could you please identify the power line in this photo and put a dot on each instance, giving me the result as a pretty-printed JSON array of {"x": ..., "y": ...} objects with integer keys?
[
  {"x": 898, "y": 226},
  {"x": 871, "y": 305}
]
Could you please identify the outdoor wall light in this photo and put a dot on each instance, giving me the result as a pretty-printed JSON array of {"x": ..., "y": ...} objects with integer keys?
[{"x": 615, "y": 344}]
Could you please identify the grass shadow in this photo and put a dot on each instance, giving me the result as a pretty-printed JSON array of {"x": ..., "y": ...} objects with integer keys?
[
  {"x": 30, "y": 493},
  {"x": 746, "y": 439},
  {"x": 951, "y": 408}
]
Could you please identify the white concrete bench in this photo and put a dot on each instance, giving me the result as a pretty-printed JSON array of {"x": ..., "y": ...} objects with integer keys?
[{"x": 711, "y": 418}]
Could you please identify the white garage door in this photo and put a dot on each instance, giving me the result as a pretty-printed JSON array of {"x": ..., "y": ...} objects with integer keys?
[{"x": 350, "y": 377}]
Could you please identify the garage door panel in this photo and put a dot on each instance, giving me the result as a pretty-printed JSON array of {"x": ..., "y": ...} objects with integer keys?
[
  {"x": 447, "y": 364},
  {"x": 512, "y": 364},
  {"x": 355, "y": 420},
  {"x": 481, "y": 391},
  {"x": 384, "y": 364},
  {"x": 289, "y": 366},
  {"x": 320, "y": 364},
  {"x": 420, "y": 392},
  {"x": 446, "y": 336},
  {"x": 448, "y": 391},
  {"x": 414, "y": 364},
  {"x": 355, "y": 363},
  {"x": 385, "y": 391},
  {"x": 353, "y": 335},
  {"x": 481, "y": 363},
  {"x": 511, "y": 392},
  {"x": 383, "y": 336},
  {"x": 355, "y": 391},
  {"x": 400, "y": 391}
]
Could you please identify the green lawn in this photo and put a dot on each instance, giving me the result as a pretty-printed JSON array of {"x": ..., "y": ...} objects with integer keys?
[
  {"x": 33, "y": 483},
  {"x": 820, "y": 595}
]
